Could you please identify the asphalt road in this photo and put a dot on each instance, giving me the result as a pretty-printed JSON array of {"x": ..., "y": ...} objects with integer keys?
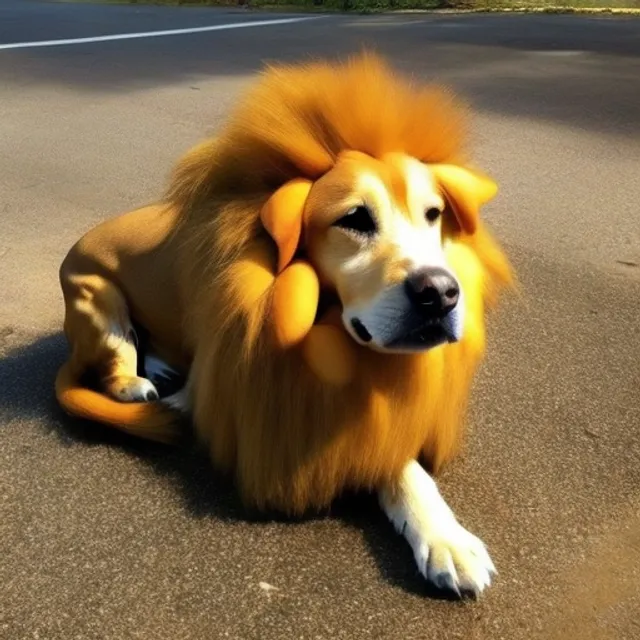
[{"x": 103, "y": 537}]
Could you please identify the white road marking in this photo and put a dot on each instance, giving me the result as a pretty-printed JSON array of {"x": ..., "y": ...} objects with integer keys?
[
  {"x": 152, "y": 34},
  {"x": 557, "y": 52}
]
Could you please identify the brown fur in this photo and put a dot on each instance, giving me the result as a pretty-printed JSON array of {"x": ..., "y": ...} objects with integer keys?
[{"x": 292, "y": 441}]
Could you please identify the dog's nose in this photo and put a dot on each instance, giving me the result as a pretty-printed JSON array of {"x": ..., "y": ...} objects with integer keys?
[{"x": 434, "y": 290}]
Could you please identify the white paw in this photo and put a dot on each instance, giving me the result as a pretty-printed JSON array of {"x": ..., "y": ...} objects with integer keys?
[
  {"x": 450, "y": 557},
  {"x": 134, "y": 390}
]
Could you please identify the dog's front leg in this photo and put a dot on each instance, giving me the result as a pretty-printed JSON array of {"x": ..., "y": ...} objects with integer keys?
[{"x": 447, "y": 554}]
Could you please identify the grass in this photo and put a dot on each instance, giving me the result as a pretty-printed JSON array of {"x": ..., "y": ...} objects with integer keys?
[
  {"x": 378, "y": 6},
  {"x": 460, "y": 5},
  {"x": 541, "y": 5}
]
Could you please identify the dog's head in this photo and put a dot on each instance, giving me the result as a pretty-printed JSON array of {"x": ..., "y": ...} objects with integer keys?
[{"x": 376, "y": 231}]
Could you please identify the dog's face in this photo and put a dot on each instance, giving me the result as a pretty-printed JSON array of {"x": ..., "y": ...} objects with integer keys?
[{"x": 375, "y": 231}]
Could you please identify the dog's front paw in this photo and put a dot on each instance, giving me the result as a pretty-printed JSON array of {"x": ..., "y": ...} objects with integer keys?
[{"x": 450, "y": 557}]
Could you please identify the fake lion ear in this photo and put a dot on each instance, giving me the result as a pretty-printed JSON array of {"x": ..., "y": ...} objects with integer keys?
[
  {"x": 296, "y": 292},
  {"x": 466, "y": 191},
  {"x": 281, "y": 216}
]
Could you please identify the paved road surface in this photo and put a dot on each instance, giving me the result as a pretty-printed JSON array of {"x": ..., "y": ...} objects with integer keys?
[{"x": 102, "y": 537}]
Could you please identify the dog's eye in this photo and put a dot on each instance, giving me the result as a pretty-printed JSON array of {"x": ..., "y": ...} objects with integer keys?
[
  {"x": 432, "y": 214},
  {"x": 358, "y": 220}
]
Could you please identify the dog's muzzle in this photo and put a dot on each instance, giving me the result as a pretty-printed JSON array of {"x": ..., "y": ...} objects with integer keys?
[
  {"x": 433, "y": 316},
  {"x": 423, "y": 311}
]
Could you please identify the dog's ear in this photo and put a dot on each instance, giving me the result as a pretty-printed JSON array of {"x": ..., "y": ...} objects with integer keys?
[
  {"x": 282, "y": 215},
  {"x": 465, "y": 191}
]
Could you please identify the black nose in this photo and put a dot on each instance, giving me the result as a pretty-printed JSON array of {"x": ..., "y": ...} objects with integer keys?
[{"x": 433, "y": 290}]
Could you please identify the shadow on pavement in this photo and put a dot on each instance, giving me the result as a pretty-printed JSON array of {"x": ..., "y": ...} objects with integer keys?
[
  {"x": 512, "y": 65},
  {"x": 27, "y": 375}
]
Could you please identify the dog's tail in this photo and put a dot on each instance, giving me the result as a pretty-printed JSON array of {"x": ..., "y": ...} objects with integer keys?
[{"x": 151, "y": 420}]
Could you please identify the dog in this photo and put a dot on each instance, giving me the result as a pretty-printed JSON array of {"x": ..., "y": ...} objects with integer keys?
[{"x": 405, "y": 272}]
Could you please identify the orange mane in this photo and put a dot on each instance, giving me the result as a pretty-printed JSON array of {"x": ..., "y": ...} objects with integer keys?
[{"x": 292, "y": 441}]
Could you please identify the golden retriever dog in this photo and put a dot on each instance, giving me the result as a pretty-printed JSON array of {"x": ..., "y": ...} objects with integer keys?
[{"x": 319, "y": 275}]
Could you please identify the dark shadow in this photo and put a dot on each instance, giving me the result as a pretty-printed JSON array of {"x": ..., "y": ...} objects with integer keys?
[
  {"x": 34, "y": 366},
  {"x": 206, "y": 494},
  {"x": 614, "y": 36},
  {"x": 492, "y": 59},
  {"x": 391, "y": 552}
]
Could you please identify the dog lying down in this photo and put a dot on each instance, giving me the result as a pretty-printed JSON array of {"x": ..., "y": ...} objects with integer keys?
[{"x": 319, "y": 275}]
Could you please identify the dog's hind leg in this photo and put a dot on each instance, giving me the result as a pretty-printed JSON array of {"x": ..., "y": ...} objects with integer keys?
[{"x": 99, "y": 330}]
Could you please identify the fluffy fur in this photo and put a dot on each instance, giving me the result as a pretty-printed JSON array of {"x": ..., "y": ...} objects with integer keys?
[{"x": 293, "y": 441}]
